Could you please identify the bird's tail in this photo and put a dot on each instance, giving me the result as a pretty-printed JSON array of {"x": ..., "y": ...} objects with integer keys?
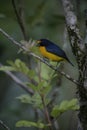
[{"x": 70, "y": 62}]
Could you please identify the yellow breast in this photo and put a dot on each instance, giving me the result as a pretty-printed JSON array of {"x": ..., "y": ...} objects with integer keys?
[{"x": 49, "y": 55}]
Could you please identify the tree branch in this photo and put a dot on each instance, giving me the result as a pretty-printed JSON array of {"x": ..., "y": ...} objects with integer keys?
[
  {"x": 19, "y": 11},
  {"x": 73, "y": 30},
  {"x": 39, "y": 58},
  {"x": 46, "y": 113},
  {"x": 4, "y": 125}
]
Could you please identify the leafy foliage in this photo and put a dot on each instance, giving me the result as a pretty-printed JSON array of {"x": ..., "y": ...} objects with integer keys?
[
  {"x": 24, "y": 123},
  {"x": 41, "y": 83},
  {"x": 20, "y": 66},
  {"x": 35, "y": 100},
  {"x": 7, "y": 68},
  {"x": 65, "y": 106}
]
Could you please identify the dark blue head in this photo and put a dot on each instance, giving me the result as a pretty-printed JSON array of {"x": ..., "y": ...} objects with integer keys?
[{"x": 44, "y": 42}]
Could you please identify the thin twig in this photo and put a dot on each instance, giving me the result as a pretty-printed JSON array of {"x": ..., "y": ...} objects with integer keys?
[
  {"x": 19, "y": 11},
  {"x": 46, "y": 113},
  {"x": 4, "y": 125},
  {"x": 39, "y": 58},
  {"x": 18, "y": 81}
]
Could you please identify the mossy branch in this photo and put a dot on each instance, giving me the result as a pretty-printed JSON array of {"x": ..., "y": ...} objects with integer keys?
[{"x": 80, "y": 51}]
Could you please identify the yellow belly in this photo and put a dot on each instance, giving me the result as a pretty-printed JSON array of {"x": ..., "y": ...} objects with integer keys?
[{"x": 49, "y": 55}]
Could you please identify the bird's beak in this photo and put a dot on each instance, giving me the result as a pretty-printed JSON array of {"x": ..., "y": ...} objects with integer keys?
[{"x": 38, "y": 43}]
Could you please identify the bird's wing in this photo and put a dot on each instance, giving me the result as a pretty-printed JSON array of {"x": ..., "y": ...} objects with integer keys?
[{"x": 56, "y": 50}]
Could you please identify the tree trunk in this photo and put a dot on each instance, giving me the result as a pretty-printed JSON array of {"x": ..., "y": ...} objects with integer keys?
[{"x": 80, "y": 51}]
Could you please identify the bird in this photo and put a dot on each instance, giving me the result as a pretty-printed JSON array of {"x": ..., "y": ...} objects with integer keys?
[{"x": 51, "y": 51}]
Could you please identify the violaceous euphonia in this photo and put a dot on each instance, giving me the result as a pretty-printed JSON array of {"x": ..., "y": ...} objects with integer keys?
[{"x": 52, "y": 51}]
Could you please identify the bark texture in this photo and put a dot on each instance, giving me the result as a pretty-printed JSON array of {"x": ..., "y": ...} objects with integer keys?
[{"x": 80, "y": 51}]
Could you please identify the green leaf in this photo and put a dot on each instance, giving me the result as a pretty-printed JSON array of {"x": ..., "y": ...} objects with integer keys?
[
  {"x": 65, "y": 106},
  {"x": 33, "y": 87},
  {"x": 36, "y": 99},
  {"x": 73, "y": 104},
  {"x": 25, "y": 98},
  {"x": 24, "y": 123},
  {"x": 10, "y": 62},
  {"x": 20, "y": 66},
  {"x": 7, "y": 68},
  {"x": 45, "y": 89},
  {"x": 42, "y": 87},
  {"x": 35, "y": 50},
  {"x": 46, "y": 71}
]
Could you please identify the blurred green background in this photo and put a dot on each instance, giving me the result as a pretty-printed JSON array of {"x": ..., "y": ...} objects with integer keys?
[{"x": 44, "y": 19}]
